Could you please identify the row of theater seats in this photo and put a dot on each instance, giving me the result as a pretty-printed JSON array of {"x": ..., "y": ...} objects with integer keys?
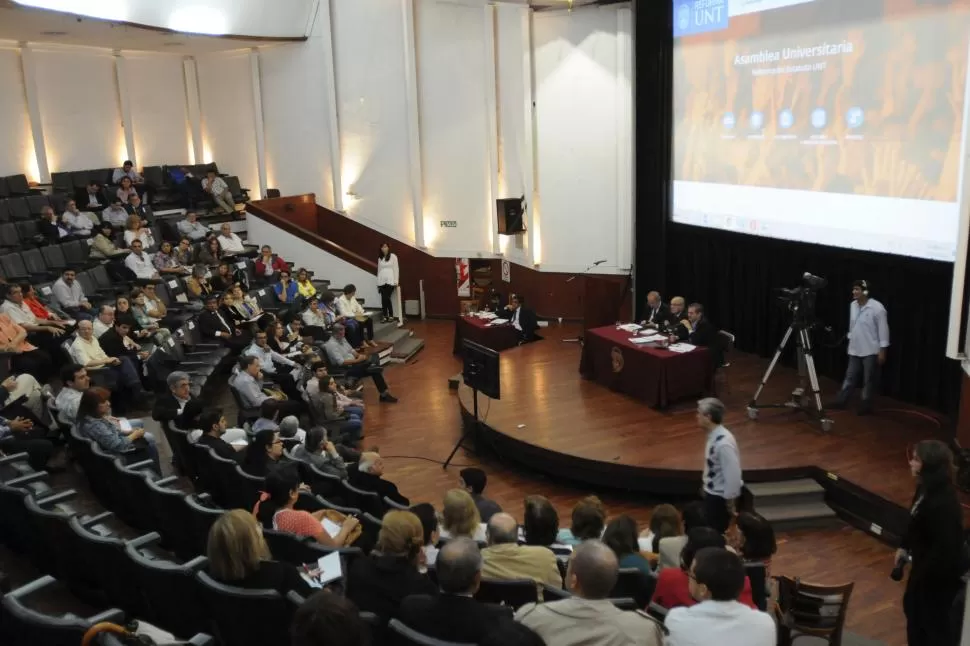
[
  {"x": 15, "y": 186},
  {"x": 29, "y": 207}
]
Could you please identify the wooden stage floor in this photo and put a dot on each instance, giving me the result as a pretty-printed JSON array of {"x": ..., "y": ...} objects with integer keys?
[{"x": 547, "y": 404}]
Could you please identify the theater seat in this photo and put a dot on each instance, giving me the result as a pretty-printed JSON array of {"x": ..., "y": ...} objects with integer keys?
[
  {"x": 21, "y": 625},
  {"x": 398, "y": 633},
  {"x": 515, "y": 593},
  {"x": 243, "y": 617}
]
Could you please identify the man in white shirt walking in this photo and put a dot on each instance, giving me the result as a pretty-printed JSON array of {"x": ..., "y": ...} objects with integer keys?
[
  {"x": 722, "y": 481},
  {"x": 868, "y": 340},
  {"x": 716, "y": 580}
]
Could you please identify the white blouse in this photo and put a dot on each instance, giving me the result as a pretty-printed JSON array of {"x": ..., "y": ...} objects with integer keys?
[{"x": 387, "y": 271}]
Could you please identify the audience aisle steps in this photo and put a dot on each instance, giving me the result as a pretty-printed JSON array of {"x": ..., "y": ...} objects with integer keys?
[
  {"x": 793, "y": 504},
  {"x": 404, "y": 344}
]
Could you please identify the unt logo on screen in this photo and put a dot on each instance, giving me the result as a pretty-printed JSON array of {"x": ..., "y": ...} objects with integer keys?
[{"x": 699, "y": 16}]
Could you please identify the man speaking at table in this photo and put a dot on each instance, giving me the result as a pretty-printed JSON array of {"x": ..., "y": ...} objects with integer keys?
[{"x": 657, "y": 313}]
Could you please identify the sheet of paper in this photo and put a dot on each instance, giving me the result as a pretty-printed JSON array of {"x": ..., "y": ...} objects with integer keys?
[
  {"x": 330, "y": 568},
  {"x": 630, "y": 327},
  {"x": 486, "y": 315},
  {"x": 330, "y": 527},
  {"x": 497, "y": 322},
  {"x": 643, "y": 340},
  {"x": 124, "y": 425},
  {"x": 681, "y": 347}
]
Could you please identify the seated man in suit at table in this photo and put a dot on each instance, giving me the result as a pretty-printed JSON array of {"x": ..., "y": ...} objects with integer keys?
[
  {"x": 523, "y": 320},
  {"x": 656, "y": 312},
  {"x": 697, "y": 330}
]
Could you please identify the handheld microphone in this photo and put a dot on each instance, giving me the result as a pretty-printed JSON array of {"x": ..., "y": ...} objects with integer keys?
[{"x": 599, "y": 262}]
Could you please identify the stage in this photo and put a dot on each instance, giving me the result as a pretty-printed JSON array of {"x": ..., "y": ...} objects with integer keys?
[{"x": 552, "y": 420}]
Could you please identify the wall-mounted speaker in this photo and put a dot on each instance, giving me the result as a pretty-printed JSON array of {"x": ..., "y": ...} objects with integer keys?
[{"x": 511, "y": 215}]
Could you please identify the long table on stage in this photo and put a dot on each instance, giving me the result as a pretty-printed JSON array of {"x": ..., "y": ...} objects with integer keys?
[
  {"x": 495, "y": 337},
  {"x": 653, "y": 375}
]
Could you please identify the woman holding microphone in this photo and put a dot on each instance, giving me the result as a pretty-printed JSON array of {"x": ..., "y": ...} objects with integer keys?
[
  {"x": 387, "y": 279},
  {"x": 934, "y": 544}
]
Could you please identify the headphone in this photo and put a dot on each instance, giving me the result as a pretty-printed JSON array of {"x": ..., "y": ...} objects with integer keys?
[{"x": 865, "y": 287}]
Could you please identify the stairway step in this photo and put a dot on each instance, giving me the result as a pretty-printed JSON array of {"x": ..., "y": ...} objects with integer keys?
[
  {"x": 406, "y": 348},
  {"x": 392, "y": 335},
  {"x": 785, "y": 488},
  {"x": 800, "y": 516}
]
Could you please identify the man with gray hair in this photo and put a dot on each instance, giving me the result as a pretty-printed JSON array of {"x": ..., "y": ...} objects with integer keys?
[
  {"x": 504, "y": 559},
  {"x": 104, "y": 321},
  {"x": 360, "y": 365},
  {"x": 722, "y": 481},
  {"x": 656, "y": 313},
  {"x": 369, "y": 476},
  {"x": 454, "y": 615},
  {"x": 171, "y": 404},
  {"x": 589, "y": 618}
]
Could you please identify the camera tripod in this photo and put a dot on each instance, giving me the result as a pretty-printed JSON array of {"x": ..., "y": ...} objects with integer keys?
[{"x": 808, "y": 402}]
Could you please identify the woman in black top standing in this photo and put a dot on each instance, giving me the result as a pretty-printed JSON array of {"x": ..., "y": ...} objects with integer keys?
[{"x": 933, "y": 541}]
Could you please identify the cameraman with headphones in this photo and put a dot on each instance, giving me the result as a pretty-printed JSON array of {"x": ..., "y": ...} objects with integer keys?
[{"x": 868, "y": 340}]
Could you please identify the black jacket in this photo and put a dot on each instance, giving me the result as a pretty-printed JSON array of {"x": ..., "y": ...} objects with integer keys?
[
  {"x": 273, "y": 575},
  {"x": 222, "y": 448},
  {"x": 662, "y": 315},
  {"x": 934, "y": 539},
  {"x": 166, "y": 408},
  {"x": 379, "y": 584},
  {"x": 452, "y": 617},
  {"x": 377, "y": 484},
  {"x": 113, "y": 344},
  {"x": 209, "y": 324}
]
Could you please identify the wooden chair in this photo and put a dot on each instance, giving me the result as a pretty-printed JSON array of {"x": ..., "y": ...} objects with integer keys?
[{"x": 811, "y": 610}]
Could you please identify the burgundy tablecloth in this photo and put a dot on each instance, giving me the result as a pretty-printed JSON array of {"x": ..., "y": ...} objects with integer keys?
[
  {"x": 655, "y": 376},
  {"x": 496, "y": 337}
]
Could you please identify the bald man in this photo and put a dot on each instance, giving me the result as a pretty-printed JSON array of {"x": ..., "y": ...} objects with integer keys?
[
  {"x": 589, "y": 617},
  {"x": 656, "y": 313},
  {"x": 504, "y": 559},
  {"x": 369, "y": 476}
]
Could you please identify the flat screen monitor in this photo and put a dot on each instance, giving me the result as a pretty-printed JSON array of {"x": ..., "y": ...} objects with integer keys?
[{"x": 480, "y": 369}]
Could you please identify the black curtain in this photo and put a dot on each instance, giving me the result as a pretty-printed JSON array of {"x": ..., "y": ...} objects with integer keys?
[{"x": 734, "y": 275}]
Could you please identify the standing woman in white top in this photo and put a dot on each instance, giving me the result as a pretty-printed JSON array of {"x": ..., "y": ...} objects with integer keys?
[{"x": 387, "y": 279}]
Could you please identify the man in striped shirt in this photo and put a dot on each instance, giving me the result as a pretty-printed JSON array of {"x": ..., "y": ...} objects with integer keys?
[{"x": 722, "y": 480}]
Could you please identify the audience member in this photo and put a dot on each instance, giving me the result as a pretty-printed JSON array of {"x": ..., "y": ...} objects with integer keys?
[
  {"x": 94, "y": 421},
  {"x": 303, "y": 284},
  {"x": 22, "y": 435},
  {"x": 218, "y": 190},
  {"x": 504, "y": 559},
  {"x": 621, "y": 537},
  {"x": 716, "y": 579},
  {"x": 274, "y": 365},
  {"x": 429, "y": 524},
  {"x": 325, "y": 406},
  {"x": 671, "y": 547},
  {"x": 589, "y": 617},
  {"x": 140, "y": 263},
  {"x": 191, "y": 228},
  {"x": 540, "y": 524},
  {"x": 588, "y": 521},
  {"x": 135, "y": 230},
  {"x": 328, "y": 619},
  {"x": 211, "y": 255},
  {"x": 115, "y": 215},
  {"x": 43, "y": 333},
  {"x": 41, "y": 311},
  {"x": 26, "y": 357},
  {"x": 186, "y": 184},
  {"x": 369, "y": 476},
  {"x": 238, "y": 556},
  {"x": 664, "y": 523},
  {"x": 755, "y": 541},
  {"x": 22, "y": 394},
  {"x": 264, "y": 451},
  {"x": 68, "y": 295},
  {"x": 127, "y": 170},
  {"x": 229, "y": 242},
  {"x": 116, "y": 343},
  {"x": 268, "y": 264},
  {"x": 214, "y": 324},
  {"x": 321, "y": 453},
  {"x": 198, "y": 284},
  {"x": 459, "y": 517},
  {"x": 276, "y": 507},
  {"x": 87, "y": 351},
  {"x": 340, "y": 353},
  {"x": 92, "y": 197},
  {"x": 454, "y": 615},
  {"x": 213, "y": 425},
  {"x": 184, "y": 253},
  {"x": 355, "y": 316},
  {"x": 52, "y": 230},
  {"x": 290, "y": 428},
  {"x": 673, "y": 584},
  {"x": 247, "y": 382},
  {"x": 379, "y": 582},
  {"x": 140, "y": 210},
  {"x": 286, "y": 289},
  {"x": 473, "y": 480},
  {"x": 76, "y": 222},
  {"x": 171, "y": 404},
  {"x": 165, "y": 262},
  {"x": 125, "y": 190}
]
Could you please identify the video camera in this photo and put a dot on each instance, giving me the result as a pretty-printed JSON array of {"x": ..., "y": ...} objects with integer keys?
[{"x": 800, "y": 301}]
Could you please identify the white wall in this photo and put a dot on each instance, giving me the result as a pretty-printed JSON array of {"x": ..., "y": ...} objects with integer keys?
[
  {"x": 453, "y": 104},
  {"x": 324, "y": 265},
  {"x": 228, "y": 117},
  {"x": 79, "y": 108},
  {"x": 16, "y": 146},
  {"x": 581, "y": 85},
  {"x": 296, "y": 104},
  {"x": 369, "y": 60},
  {"x": 155, "y": 86}
]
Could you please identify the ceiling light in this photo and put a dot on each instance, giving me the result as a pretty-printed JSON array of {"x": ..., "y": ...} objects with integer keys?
[{"x": 198, "y": 19}]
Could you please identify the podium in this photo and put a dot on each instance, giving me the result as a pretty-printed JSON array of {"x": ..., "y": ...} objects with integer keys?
[{"x": 602, "y": 300}]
